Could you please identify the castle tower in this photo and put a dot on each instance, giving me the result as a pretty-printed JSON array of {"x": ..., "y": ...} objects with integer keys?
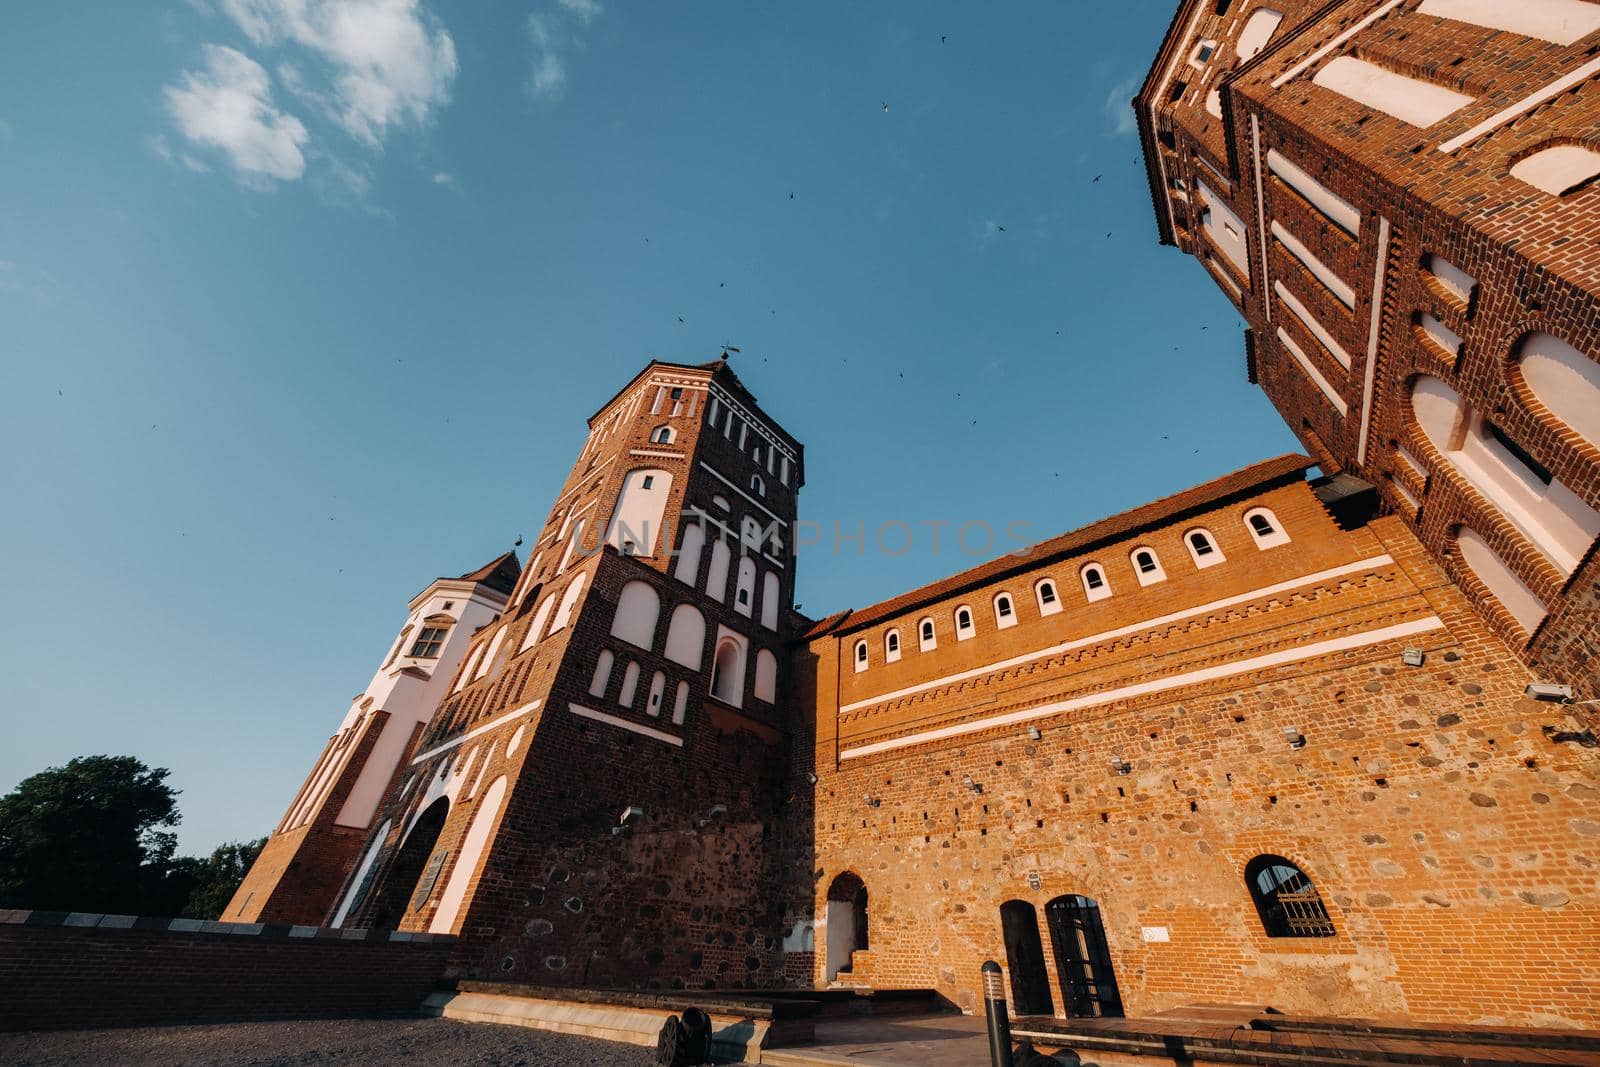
[
  {"x": 1397, "y": 198},
  {"x": 592, "y": 800},
  {"x": 312, "y": 849}
]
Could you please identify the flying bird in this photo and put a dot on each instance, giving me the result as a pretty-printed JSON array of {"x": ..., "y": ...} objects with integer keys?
[
  {"x": 680, "y": 318},
  {"x": 1097, "y": 177},
  {"x": 886, "y": 105},
  {"x": 791, "y": 196},
  {"x": 941, "y": 38},
  {"x": 1002, "y": 229}
]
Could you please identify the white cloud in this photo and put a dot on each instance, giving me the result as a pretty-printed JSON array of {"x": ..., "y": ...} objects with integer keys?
[
  {"x": 553, "y": 38},
  {"x": 390, "y": 62},
  {"x": 228, "y": 106},
  {"x": 584, "y": 9},
  {"x": 1119, "y": 111},
  {"x": 445, "y": 178}
]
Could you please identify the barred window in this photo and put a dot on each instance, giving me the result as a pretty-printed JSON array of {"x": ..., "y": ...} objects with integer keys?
[{"x": 1286, "y": 899}]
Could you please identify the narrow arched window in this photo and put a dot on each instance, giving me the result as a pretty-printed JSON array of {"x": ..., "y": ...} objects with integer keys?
[
  {"x": 927, "y": 638},
  {"x": 1203, "y": 548},
  {"x": 1045, "y": 593},
  {"x": 861, "y": 656},
  {"x": 757, "y": 486},
  {"x": 1147, "y": 566},
  {"x": 1264, "y": 528},
  {"x": 661, "y": 435},
  {"x": 891, "y": 646},
  {"x": 1095, "y": 586},
  {"x": 1004, "y": 613},
  {"x": 1286, "y": 900},
  {"x": 964, "y": 627}
]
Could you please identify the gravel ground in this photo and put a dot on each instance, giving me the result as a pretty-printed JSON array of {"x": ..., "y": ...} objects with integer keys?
[{"x": 321, "y": 1041}]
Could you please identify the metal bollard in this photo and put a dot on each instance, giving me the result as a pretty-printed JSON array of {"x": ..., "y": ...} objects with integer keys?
[{"x": 994, "y": 1003}]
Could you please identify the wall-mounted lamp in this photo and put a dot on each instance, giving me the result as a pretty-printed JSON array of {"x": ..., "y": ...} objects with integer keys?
[
  {"x": 811, "y": 779},
  {"x": 1034, "y": 734},
  {"x": 1120, "y": 765},
  {"x": 1412, "y": 657},
  {"x": 966, "y": 780},
  {"x": 631, "y": 813},
  {"x": 872, "y": 801},
  {"x": 1295, "y": 738},
  {"x": 1559, "y": 694}
]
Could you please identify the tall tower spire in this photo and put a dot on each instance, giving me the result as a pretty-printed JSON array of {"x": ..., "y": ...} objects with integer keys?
[{"x": 611, "y": 751}]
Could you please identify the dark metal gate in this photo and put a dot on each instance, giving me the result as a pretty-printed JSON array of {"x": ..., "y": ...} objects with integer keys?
[{"x": 1083, "y": 961}]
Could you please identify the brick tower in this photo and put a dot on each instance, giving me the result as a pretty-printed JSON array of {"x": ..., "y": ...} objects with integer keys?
[
  {"x": 1400, "y": 197},
  {"x": 593, "y": 799},
  {"x": 311, "y": 851}
]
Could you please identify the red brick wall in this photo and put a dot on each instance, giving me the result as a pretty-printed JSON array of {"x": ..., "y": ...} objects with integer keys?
[
  {"x": 59, "y": 976},
  {"x": 1526, "y": 249},
  {"x": 1454, "y": 843}
]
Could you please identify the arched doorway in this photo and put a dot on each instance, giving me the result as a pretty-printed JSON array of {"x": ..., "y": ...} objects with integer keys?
[
  {"x": 1083, "y": 961},
  {"x": 1030, "y": 983},
  {"x": 846, "y": 920},
  {"x": 412, "y": 863}
]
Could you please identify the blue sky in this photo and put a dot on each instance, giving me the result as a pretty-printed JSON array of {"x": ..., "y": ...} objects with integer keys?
[{"x": 304, "y": 302}]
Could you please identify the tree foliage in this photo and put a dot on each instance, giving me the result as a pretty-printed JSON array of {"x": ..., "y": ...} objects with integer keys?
[{"x": 97, "y": 835}]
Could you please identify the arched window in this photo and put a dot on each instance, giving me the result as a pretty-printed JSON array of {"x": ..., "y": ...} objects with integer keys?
[
  {"x": 638, "y": 608},
  {"x": 536, "y": 628},
  {"x": 658, "y": 688},
  {"x": 1005, "y": 613},
  {"x": 1500, "y": 580},
  {"x": 637, "y": 519},
  {"x": 1558, "y": 521},
  {"x": 717, "y": 573},
  {"x": 1044, "y": 593},
  {"x": 1264, "y": 527},
  {"x": 630, "y": 684},
  {"x": 771, "y": 595},
  {"x": 690, "y": 546},
  {"x": 1203, "y": 548},
  {"x": 661, "y": 435},
  {"x": 1564, "y": 380},
  {"x": 757, "y": 486},
  {"x": 927, "y": 637},
  {"x": 745, "y": 588},
  {"x": 1147, "y": 566},
  {"x": 891, "y": 646},
  {"x": 1095, "y": 586},
  {"x": 686, "y": 636},
  {"x": 1287, "y": 902},
  {"x": 861, "y": 656},
  {"x": 569, "y": 602},
  {"x": 766, "y": 676},
  {"x": 727, "y": 673},
  {"x": 1558, "y": 169},
  {"x": 964, "y": 627},
  {"x": 602, "y": 673}
]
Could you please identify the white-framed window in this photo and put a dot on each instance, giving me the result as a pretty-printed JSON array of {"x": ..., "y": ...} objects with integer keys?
[
  {"x": 1203, "y": 548},
  {"x": 1005, "y": 612},
  {"x": 1265, "y": 528},
  {"x": 1045, "y": 595},
  {"x": 757, "y": 486},
  {"x": 1095, "y": 584},
  {"x": 661, "y": 435},
  {"x": 1147, "y": 565},
  {"x": 965, "y": 630},
  {"x": 927, "y": 636},
  {"x": 861, "y": 656},
  {"x": 891, "y": 646}
]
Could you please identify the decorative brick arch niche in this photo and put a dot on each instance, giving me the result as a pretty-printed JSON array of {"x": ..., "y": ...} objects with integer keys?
[{"x": 846, "y": 921}]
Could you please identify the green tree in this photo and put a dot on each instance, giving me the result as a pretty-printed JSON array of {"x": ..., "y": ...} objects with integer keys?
[
  {"x": 216, "y": 877},
  {"x": 94, "y": 835}
]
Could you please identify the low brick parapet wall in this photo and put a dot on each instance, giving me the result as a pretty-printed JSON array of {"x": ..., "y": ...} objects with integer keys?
[{"x": 64, "y": 970}]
